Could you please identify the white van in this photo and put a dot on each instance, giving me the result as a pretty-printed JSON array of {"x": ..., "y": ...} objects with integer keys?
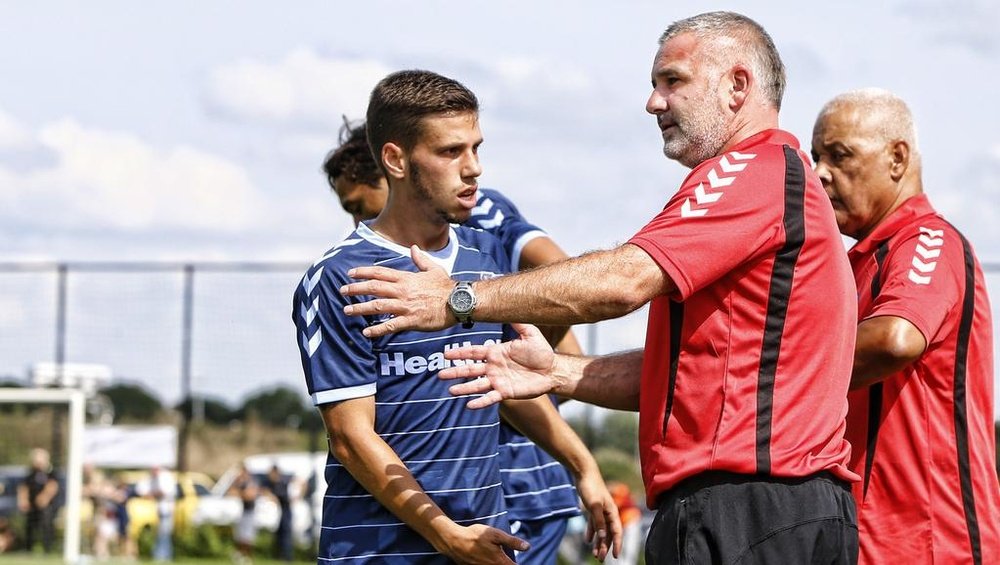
[{"x": 308, "y": 485}]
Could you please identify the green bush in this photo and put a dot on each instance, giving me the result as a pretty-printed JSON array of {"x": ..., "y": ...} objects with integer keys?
[{"x": 204, "y": 541}]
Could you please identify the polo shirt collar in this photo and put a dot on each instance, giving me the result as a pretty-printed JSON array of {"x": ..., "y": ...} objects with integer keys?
[{"x": 914, "y": 207}]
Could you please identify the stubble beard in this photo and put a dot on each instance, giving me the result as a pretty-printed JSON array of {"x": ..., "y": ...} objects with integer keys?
[
  {"x": 700, "y": 133},
  {"x": 422, "y": 192}
]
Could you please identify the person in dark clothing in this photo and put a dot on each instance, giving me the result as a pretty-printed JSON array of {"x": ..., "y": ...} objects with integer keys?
[
  {"x": 279, "y": 487},
  {"x": 36, "y": 499}
]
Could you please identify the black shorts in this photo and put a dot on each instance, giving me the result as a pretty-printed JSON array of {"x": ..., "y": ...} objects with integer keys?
[{"x": 727, "y": 518}]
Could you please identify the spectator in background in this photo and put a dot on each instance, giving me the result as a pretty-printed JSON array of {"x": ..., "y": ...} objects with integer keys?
[
  {"x": 279, "y": 487},
  {"x": 123, "y": 493},
  {"x": 245, "y": 535},
  {"x": 104, "y": 498},
  {"x": 162, "y": 487},
  {"x": 36, "y": 499}
]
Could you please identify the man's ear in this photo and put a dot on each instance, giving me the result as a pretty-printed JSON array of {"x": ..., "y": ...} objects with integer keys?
[
  {"x": 394, "y": 160},
  {"x": 899, "y": 159},
  {"x": 740, "y": 80}
]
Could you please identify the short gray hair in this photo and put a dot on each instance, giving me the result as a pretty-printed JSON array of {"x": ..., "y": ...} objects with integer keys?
[
  {"x": 889, "y": 115},
  {"x": 748, "y": 37}
]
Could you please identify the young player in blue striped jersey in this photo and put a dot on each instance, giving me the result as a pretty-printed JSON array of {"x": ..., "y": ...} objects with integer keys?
[
  {"x": 412, "y": 477},
  {"x": 538, "y": 491}
]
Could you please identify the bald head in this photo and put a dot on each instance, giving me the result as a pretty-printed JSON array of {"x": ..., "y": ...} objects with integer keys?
[{"x": 865, "y": 148}]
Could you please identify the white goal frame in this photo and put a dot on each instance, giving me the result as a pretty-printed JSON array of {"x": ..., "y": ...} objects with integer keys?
[{"x": 74, "y": 460}]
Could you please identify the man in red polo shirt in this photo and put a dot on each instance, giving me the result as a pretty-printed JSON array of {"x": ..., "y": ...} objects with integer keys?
[
  {"x": 742, "y": 385},
  {"x": 921, "y": 402}
]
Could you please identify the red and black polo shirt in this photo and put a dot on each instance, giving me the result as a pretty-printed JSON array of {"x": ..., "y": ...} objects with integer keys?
[
  {"x": 747, "y": 365},
  {"x": 924, "y": 438}
]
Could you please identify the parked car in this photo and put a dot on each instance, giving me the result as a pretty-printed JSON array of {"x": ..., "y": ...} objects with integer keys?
[{"x": 307, "y": 487}]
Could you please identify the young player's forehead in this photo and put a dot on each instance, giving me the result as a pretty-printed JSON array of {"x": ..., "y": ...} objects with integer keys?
[{"x": 441, "y": 130}]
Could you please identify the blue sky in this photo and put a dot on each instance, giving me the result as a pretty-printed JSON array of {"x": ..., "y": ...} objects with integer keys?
[{"x": 195, "y": 130}]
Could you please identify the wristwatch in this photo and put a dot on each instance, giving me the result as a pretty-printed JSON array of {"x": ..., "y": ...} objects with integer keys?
[{"x": 461, "y": 302}]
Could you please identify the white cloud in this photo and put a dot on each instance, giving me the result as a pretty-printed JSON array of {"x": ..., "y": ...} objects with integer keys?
[
  {"x": 12, "y": 134},
  {"x": 104, "y": 180},
  {"x": 304, "y": 89}
]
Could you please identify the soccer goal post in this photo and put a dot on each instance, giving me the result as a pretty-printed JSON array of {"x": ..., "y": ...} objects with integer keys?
[{"x": 76, "y": 400}]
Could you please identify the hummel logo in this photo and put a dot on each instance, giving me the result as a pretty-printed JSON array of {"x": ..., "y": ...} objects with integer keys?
[
  {"x": 728, "y": 165},
  {"x": 928, "y": 247}
]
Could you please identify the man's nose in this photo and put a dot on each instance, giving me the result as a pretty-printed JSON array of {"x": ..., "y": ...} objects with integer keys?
[{"x": 656, "y": 103}]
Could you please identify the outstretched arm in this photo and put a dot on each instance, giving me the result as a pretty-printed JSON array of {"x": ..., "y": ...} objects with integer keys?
[
  {"x": 526, "y": 367},
  {"x": 592, "y": 287},
  {"x": 351, "y": 426}
]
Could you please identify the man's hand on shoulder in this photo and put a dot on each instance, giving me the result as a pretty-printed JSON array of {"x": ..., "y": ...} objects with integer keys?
[{"x": 414, "y": 301}]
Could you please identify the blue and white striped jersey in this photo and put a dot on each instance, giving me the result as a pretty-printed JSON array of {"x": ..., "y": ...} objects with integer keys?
[
  {"x": 451, "y": 451},
  {"x": 536, "y": 486}
]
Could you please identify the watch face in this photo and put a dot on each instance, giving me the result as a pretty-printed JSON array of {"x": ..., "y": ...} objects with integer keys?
[{"x": 461, "y": 300}]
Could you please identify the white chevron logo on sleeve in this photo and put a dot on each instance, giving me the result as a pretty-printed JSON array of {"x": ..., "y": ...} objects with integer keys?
[
  {"x": 309, "y": 314},
  {"x": 930, "y": 242},
  {"x": 311, "y": 344},
  {"x": 705, "y": 197},
  {"x": 309, "y": 283},
  {"x": 928, "y": 247},
  {"x": 716, "y": 181},
  {"x": 923, "y": 267},
  {"x": 730, "y": 168},
  {"x": 493, "y": 222},
  {"x": 483, "y": 207},
  {"x": 928, "y": 253},
  {"x": 688, "y": 212}
]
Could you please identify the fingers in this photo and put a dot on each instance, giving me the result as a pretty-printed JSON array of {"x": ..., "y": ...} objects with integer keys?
[
  {"x": 379, "y": 288},
  {"x": 489, "y": 399},
  {"x": 508, "y": 540},
  {"x": 597, "y": 534},
  {"x": 617, "y": 531},
  {"x": 478, "y": 384},
  {"x": 390, "y": 326},
  {"x": 374, "y": 273},
  {"x": 468, "y": 353}
]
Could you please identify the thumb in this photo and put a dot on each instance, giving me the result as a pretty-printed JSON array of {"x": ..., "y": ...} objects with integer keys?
[
  {"x": 420, "y": 258},
  {"x": 526, "y": 331}
]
